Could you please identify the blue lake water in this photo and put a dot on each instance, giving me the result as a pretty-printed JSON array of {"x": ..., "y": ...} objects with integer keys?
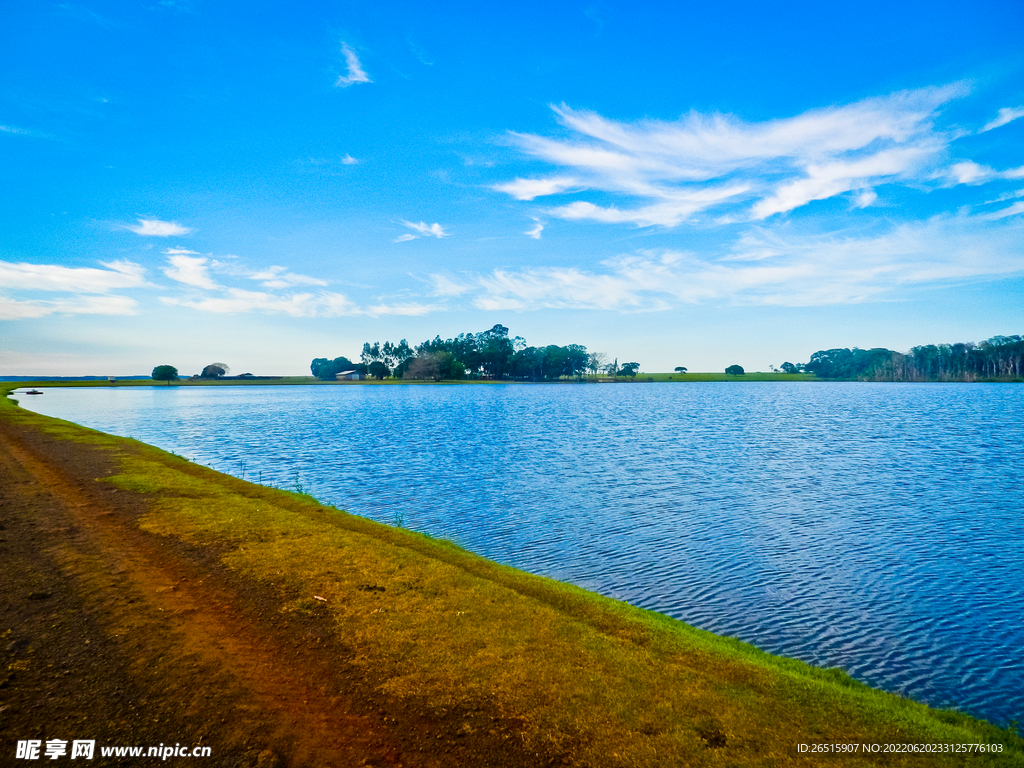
[{"x": 873, "y": 527}]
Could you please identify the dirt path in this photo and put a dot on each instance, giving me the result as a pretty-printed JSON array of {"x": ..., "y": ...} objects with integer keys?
[{"x": 114, "y": 634}]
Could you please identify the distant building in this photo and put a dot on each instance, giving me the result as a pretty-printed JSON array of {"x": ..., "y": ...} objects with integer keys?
[{"x": 350, "y": 375}]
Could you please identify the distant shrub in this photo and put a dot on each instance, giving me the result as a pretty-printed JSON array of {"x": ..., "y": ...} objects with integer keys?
[{"x": 735, "y": 370}]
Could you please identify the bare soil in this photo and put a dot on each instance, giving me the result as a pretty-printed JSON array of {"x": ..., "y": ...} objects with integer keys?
[{"x": 111, "y": 633}]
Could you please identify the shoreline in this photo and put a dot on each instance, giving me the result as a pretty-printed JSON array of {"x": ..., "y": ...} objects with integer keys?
[
  {"x": 446, "y": 657},
  {"x": 663, "y": 378}
]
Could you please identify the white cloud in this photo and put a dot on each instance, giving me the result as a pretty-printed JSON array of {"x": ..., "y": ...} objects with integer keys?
[
  {"x": 676, "y": 208},
  {"x": 281, "y": 277},
  {"x": 1013, "y": 210},
  {"x": 766, "y": 266},
  {"x": 865, "y": 198},
  {"x": 51, "y": 277},
  {"x": 445, "y": 286},
  {"x": 410, "y": 309},
  {"x": 969, "y": 172},
  {"x": 13, "y": 309},
  {"x": 349, "y": 160},
  {"x": 157, "y": 228},
  {"x": 236, "y": 301},
  {"x": 1006, "y": 196},
  {"x": 404, "y": 238},
  {"x": 12, "y": 129},
  {"x": 426, "y": 230},
  {"x": 1004, "y": 116},
  {"x": 322, "y": 304},
  {"x": 190, "y": 270},
  {"x": 355, "y": 69},
  {"x": 528, "y": 189},
  {"x": 824, "y": 181},
  {"x": 535, "y": 231},
  {"x": 676, "y": 170}
]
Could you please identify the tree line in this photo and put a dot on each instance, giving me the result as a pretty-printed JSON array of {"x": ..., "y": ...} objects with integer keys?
[
  {"x": 489, "y": 354},
  {"x": 1001, "y": 357}
]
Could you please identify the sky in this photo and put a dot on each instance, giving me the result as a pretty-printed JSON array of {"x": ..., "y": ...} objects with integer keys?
[{"x": 686, "y": 183}]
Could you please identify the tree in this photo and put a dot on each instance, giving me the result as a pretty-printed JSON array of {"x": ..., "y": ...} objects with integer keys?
[
  {"x": 576, "y": 359},
  {"x": 327, "y": 370},
  {"x": 497, "y": 350},
  {"x": 735, "y": 370},
  {"x": 423, "y": 367},
  {"x": 629, "y": 369},
  {"x": 378, "y": 369},
  {"x": 598, "y": 362},
  {"x": 789, "y": 368},
  {"x": 166, "y": 373},
  {"x": 214, "y": 371},
  {"x": 680, "y": 369}
]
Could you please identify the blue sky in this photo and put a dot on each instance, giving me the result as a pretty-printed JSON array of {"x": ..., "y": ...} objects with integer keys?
[{"x": 683, "y": 184}]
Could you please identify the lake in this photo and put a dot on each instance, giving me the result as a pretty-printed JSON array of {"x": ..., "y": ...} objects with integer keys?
[{"x": 873, "y": 527}]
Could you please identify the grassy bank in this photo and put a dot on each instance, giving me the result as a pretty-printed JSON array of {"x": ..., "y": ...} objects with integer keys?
[{"x": 585, "y": 679}]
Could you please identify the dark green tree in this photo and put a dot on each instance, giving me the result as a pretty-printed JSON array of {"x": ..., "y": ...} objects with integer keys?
[
  {"x": 166, "y": 373},
  {"x": 735, "y": 370},
  {"x": 680, "y": 369},
  {"x": 214, "y": 371},
  {"x": 496, "y": 350},
  {"x": 629, "y": 369},
  {"x": 378, "y": 369},
  {"x": 327, "y": 370}
]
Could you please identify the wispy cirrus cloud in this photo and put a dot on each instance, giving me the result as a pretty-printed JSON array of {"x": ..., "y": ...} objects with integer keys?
[
  {"x": 282, "y": 277},
  {"x": 969, "y": 172},
  {"x": 195, "y": 269},
  {"x": 1005, "y": 115},
  {"x": 422, "y": 229},
  {"x": 238, "y": 300},
  {"x": 53, "y": 277},
  {"x": 669, "y": 172},
  {"x": 356, "y": 74},
  {"x": 303, "y": 304},
  {"x": 528, "y": 189},
  {"x": 188, "y": 267},
  {"x": 1013, "y": 210},
  {"x": 821, "y": 182},
  {"x": 764, "y": 266},
  {"x": 157, "y": 228},
  {"x": 78, "y": 282},
  {"x": 27, "y": 309},
  {"x": 279, "y": 296},
  {"x": 535, "y": 231}
]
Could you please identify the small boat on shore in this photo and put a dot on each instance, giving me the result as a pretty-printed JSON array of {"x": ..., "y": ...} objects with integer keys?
[{"x": 33, "y": 392}]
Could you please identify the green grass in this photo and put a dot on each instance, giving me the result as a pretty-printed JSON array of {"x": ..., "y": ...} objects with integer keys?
[{"x": 597, "y": 680}]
